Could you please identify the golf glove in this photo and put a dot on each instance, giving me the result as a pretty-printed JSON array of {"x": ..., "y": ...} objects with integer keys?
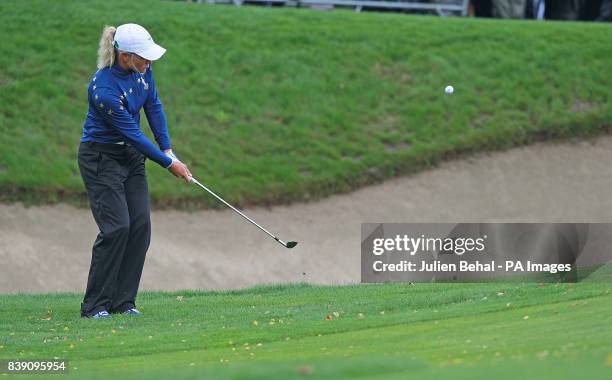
[{"x": 171, "y": 154}]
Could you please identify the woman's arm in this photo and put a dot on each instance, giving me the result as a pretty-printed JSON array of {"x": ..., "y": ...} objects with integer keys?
[
  {"x": 111, "y": 108},
  {"x": 155, "y": 114}
]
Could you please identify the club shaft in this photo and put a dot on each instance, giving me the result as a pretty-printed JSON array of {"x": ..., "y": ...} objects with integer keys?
[{"x": 235, "y": 209}]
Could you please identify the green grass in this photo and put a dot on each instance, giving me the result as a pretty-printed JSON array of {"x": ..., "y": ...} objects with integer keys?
[
  {"x": 276, "y": 105},
  {"x": 390, "y": 331}
]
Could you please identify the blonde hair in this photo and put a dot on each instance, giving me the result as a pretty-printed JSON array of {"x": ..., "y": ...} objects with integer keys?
[{"x": 106, "y": 51}]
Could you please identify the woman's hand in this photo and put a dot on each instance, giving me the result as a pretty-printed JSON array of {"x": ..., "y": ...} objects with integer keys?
[
  {"x": 180, "y": 170},
  {"x": 177, "y": 168}
]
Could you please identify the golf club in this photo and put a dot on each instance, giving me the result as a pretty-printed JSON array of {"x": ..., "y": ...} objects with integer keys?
[{"x": 289, "y": 244}]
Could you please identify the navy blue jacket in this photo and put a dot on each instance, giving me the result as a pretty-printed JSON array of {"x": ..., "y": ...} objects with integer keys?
[{"x": 115, "y": 98}]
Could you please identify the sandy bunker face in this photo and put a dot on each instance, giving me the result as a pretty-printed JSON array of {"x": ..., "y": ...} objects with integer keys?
[{"x": 47, "y": 249}]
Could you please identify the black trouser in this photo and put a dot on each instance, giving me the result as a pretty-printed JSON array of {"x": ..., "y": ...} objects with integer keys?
[
  {"x": 116, "y": 183},
  {"x": 563, "y": 9}
]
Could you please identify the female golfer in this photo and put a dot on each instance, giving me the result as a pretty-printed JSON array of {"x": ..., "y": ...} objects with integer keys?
[{"x": 112, "y": 164}]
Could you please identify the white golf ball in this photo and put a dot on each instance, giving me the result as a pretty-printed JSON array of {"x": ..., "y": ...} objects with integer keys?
[{"x": 449, "y": 89}]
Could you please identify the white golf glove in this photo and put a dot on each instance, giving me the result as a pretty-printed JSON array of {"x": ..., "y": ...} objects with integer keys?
[{"x": 171, "y": 154}]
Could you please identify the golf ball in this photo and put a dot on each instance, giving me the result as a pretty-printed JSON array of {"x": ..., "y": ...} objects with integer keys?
[{"x": 449, "y": 89}]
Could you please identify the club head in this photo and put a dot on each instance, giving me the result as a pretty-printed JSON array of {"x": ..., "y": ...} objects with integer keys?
[{"x": 291, "y": 244}]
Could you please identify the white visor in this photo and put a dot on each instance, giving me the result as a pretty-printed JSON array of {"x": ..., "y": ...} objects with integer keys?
[
  {"x": 133, "y": 38},
  {"x": 153, "y": 52}
]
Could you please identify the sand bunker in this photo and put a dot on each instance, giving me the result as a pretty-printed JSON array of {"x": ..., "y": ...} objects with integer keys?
[{"x": 48, "y": 249}]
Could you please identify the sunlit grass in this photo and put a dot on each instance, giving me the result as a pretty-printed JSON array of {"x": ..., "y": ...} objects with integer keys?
[
  {"x": 362, "y": 331},
  {"x": 274, "y": 105}
]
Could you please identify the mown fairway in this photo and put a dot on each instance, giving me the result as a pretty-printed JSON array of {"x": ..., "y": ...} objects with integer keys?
[
  {"x": 422, "y": 331},
  {"x": 274, "y": 105}
]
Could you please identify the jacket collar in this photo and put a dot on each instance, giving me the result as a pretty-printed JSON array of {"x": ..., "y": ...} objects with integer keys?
[{"x": 119, "y": 71}]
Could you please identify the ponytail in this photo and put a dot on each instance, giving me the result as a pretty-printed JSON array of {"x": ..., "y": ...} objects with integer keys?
[{"x": 106, "y": 52}]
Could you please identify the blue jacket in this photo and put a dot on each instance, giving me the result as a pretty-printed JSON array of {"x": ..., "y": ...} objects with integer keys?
[{"x": 115, "y": 98}]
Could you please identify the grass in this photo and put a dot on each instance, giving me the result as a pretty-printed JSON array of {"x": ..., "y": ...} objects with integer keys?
[
  {"x": 388, "y": 331},
  {"x": 277, "y": 105}
]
